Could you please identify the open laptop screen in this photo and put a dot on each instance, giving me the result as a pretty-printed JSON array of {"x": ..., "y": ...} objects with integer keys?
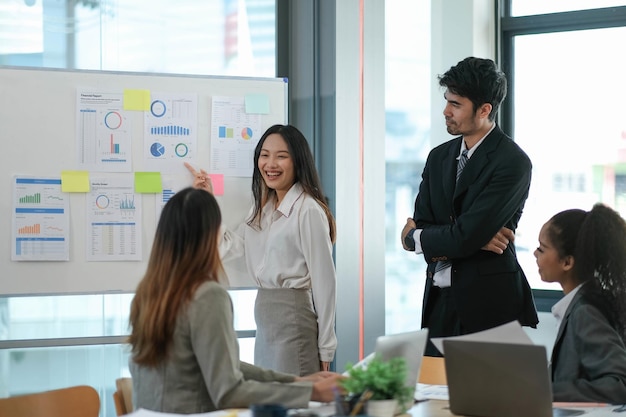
[
  {"x": 410, "y": 346},
  {"x": 497, "y": 379}
]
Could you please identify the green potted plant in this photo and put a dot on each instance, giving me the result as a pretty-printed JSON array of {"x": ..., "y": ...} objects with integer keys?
[{"x": 378, "y": 381}]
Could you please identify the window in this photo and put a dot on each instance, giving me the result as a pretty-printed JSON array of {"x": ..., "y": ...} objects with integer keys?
[
  {"x": 566, "y": 110},
  {"x": 407, "y": 143},
  {"x": 51, "y": 341},
  {"x": 226, "y": 37},
  {"x": 534, "y": 7}
]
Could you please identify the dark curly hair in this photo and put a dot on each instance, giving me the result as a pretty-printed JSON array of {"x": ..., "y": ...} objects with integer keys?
[
  {"x": 479, "y": 80},
  {"x": 597, "y": 242}
]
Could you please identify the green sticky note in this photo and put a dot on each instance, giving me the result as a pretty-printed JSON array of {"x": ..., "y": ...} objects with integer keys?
[
  {"x": 257, "y": 103},
  {"x": 148, "y": 182},
  {"x": 136, "y": 100},
  {"x": 75, "y": 181}
]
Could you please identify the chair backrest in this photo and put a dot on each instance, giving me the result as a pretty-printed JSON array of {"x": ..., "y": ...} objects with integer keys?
[
  {"x": 78, "y": 401},
  {"x": 123, "y": 396},
  {"x": 433, "y": 371}
]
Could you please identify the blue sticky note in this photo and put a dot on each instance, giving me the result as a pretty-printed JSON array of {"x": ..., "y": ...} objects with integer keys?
[{"x": 257, "y": 103}]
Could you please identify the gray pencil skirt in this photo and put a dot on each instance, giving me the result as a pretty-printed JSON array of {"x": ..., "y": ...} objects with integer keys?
[{"x": 286, "y": 335}]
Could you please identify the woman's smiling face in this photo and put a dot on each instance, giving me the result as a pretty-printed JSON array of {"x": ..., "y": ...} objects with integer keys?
[{"x": 276, "y": 164}]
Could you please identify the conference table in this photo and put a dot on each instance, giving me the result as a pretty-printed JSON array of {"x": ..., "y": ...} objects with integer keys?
[
  {"x": 425, "y": 408},
  {"x": 439, "y": 408},
  {"x": 429, "y": 408}
]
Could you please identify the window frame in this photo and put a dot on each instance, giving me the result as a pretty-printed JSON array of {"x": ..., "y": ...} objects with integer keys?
[{"x": 511, "y": 26}]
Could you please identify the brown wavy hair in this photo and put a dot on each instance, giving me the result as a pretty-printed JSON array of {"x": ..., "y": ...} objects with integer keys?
[{"x": 184, "y": 255}]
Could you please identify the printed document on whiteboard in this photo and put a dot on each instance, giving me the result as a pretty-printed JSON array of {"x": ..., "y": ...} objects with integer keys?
[
  {"x": 234, "y": 135},
  {"x": 103, "y": 132},
  {"x": 113, "y": 213},
  {"x": 40, "y": 220}
]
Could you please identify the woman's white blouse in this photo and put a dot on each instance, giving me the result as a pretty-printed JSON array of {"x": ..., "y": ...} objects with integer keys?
[{"x": 292, "y": 249}]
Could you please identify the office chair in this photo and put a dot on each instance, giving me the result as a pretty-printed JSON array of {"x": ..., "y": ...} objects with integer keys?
[
  {"x": 123, "y": 396},
  {"x": 432, "y": 371},
  {"x": 77, "y": 401}
]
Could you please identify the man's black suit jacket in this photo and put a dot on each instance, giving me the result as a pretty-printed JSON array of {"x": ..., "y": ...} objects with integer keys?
[{"x": 458, "y": 219}]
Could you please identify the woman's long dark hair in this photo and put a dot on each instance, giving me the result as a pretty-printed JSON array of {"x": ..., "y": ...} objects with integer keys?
[
  {"x": 304, "y": 170},
  {"x": 184, "y": 255},
  {"x": 597, "y": 241}
]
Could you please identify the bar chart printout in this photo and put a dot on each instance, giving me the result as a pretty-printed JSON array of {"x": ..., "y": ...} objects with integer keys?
[
  {"x": 170, "y": 132},
  {"x": 103, "y": 132},
  {"x": 234, "y": 135},
  {"x": 114, "y": 225},
  {"x": 40, "y": 221},
  {"x": 169, "y": 189}
]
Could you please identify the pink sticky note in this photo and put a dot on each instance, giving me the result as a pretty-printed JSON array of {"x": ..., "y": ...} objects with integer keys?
[{"x": 218, "y": 183}]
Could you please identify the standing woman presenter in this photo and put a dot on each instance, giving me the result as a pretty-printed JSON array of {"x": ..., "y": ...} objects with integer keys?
[{"x": 286, "y": 244}]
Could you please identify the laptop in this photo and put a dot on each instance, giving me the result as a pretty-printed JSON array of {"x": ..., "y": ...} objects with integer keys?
[
  {"x": 488, "y": 379},
  {"x": 409, "y": 345}
]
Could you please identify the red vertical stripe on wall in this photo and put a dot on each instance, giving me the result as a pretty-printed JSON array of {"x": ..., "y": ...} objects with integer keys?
[{"x": 361, "y": 202}]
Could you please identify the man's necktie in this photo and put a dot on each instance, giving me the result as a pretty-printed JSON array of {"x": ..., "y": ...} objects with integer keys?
[
  {"x": 462, "y": 161},
  {"x": 459, "y": 168}
]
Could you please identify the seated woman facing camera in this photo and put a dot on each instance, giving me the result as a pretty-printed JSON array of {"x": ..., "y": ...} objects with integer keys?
[
  {"x": 585, "y": 252},
  {"x": 185, "y": 356}
]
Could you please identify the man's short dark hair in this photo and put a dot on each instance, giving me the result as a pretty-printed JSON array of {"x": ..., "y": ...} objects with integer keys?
[{"x": 479, "y": 80}]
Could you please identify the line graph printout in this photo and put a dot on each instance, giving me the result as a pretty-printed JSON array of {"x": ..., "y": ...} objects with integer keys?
[
  {"x": 114, "y": 225},
  {"x": 40, "y": 221},
  {"x": 103, "y": 132},
  {"x": 170, "y": 132},
  {"x": 234, "y": 135}
]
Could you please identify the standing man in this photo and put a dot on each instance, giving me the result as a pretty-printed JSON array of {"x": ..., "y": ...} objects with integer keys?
[{"x": 470, "y": 200}]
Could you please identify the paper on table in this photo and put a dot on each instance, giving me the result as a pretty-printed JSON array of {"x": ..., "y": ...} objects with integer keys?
[
  {"x": 511, "y": 332},
  {"x": 142, "y": 412},
  {"x": 431, "y": 392}
]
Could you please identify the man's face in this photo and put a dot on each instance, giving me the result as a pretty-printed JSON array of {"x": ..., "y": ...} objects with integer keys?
[{"x": 460, "y": 116}]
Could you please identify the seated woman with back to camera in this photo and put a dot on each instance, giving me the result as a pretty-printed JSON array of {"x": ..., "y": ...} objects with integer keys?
[{"x": 185, "y": 355}]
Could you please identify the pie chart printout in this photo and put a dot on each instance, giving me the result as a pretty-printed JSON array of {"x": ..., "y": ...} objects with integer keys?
[{"x": 157, "y": 150}]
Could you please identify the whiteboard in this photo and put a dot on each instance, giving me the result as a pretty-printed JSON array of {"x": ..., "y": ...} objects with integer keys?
[{"x": 37, "y": 128}]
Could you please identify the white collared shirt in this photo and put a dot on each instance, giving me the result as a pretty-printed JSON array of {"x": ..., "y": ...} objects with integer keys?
[
  {"x": 443, "y": 278},
  {"x": 561, "y": 306},
  {"x": 292, "y": 249}
]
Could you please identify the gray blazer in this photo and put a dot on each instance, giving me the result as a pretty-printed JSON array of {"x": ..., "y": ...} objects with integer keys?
[
  {"x": 589, "y": 358},
  {"x": 203, "y": 372}
]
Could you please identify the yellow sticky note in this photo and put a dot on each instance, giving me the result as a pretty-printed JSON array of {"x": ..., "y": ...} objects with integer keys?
[
  {"x": 136, "y": 99},
  {"x": 148, "y": 182},
  {"x": 75, "y": 181},
  {"x": 257, "y": 103}
]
